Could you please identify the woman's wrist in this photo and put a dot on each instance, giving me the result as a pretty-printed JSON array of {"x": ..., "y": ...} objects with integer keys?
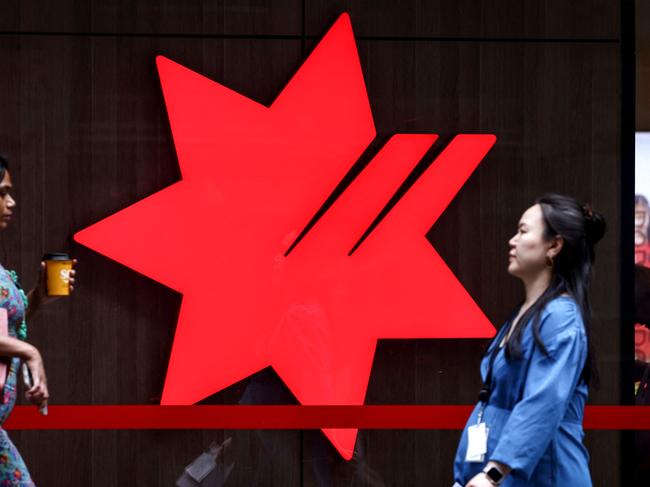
[
  {"x": 502, "y": 467},
  {"x": 496, "y": 471},
  {"x": 29, "y": 353}
]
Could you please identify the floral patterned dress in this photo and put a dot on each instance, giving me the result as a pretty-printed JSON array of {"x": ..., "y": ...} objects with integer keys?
[{"x": 13, "y": 471}]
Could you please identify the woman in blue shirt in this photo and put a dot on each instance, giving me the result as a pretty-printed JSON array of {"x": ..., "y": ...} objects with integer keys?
[{"x": 526, "y": 429}]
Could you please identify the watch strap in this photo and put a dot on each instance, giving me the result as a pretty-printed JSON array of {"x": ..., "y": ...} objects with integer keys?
[{"x": 494, "y": 475}]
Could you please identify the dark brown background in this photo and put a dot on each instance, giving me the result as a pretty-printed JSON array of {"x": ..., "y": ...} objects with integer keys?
[
  {"x": 642, "y": 65},
  {"x": 84, "y": 124}
]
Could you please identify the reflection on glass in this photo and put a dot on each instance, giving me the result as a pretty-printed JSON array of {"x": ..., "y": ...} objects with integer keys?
[{"x": 208, "y": 469}]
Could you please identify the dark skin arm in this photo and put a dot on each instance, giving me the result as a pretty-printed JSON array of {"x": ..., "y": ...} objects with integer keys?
[
  {"x": 12, "y": 347},
  {"x": 38, "y": 297}
]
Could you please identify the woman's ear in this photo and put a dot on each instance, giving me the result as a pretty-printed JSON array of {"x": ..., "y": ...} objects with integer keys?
[{"x": 556, "y": 246}]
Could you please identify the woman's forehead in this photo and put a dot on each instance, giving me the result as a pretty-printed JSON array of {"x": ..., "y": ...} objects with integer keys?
[
  {"x": 531, "y": 216},
  {"x": 6, "y": 180}
]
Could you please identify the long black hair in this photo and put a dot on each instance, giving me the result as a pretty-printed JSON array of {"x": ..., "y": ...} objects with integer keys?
[
  {"x": 580, "y": 227},
  {"x": 4, "y": 166}
]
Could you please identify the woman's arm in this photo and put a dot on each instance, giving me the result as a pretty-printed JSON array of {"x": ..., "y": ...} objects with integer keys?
[
  {"x": 12, "y": 347},
  {"x": 37, "y": 296}
]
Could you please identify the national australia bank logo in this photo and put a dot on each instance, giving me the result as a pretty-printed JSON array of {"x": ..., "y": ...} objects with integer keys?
[{"x": 253, "y": 176}]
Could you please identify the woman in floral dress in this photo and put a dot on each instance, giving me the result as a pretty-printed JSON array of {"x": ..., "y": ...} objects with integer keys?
[{"x": 15, "y": 349}]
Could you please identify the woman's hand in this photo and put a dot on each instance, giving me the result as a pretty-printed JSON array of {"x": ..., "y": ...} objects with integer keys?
[
  {"x": 480, "y": 480},
  {"x": 38, "y": 297},
  {"x": 38, "y": 393}
]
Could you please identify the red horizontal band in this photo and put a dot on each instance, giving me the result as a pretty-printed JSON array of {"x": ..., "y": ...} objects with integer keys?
[{"x": 287, "y": 417}]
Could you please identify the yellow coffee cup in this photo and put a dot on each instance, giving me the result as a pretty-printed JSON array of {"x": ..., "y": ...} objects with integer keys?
[{"x": 57, "y": 268}]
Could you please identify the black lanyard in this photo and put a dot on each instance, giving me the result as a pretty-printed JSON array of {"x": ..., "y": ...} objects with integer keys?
[{"x": 486, "y": 389}]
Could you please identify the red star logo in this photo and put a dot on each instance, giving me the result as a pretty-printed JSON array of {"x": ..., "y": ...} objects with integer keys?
[{"x": 252, "y": 178}]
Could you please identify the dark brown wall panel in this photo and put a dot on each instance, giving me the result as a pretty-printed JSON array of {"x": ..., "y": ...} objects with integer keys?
[
  {"x": 85, "y": 126},
  {"x": 466, "y": 18},
  {"x": 156, "y": 458},
  {"x": 192, "y": 17},
  {"x": 471, "y": 18}
]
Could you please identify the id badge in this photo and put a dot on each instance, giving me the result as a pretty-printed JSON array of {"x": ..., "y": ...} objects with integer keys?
[{"x": 477, "y": 436}]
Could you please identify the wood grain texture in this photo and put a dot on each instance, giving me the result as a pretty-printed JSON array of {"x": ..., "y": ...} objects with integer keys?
[
  {"x": 529, "y": 19},
  {"x": 146, "y": 17},
  {"x": 85, "y": 127}
]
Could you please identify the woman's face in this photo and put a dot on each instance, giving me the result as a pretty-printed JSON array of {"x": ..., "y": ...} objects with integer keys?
[
  {"x": 7, "y": 203},
  {"x": 528, "y": 249}
]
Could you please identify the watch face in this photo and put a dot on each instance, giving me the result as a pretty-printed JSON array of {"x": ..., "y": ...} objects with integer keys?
[{"x": 494, "y": 474}]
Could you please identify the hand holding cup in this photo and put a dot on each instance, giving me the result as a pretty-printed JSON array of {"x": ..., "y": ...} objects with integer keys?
[
  {"x": 59, "y": 274},
  {"x": 56, "y": 279}
]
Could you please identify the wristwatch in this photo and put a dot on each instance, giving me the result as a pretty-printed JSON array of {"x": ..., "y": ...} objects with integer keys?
[{"x": 494, "y": 475}]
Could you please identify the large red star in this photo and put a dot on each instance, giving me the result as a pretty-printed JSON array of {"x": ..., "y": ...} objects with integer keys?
[{"x": 252, "y": 178}]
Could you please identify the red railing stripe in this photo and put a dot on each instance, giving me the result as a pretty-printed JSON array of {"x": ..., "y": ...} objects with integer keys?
[{"x": 287, "y": 417}]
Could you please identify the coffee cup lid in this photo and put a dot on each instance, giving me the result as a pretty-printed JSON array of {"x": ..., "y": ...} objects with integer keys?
[{"x": 56, "y": 256}]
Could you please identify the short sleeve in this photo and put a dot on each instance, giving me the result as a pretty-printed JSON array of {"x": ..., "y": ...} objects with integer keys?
[{"x": 4, "y": 295}]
